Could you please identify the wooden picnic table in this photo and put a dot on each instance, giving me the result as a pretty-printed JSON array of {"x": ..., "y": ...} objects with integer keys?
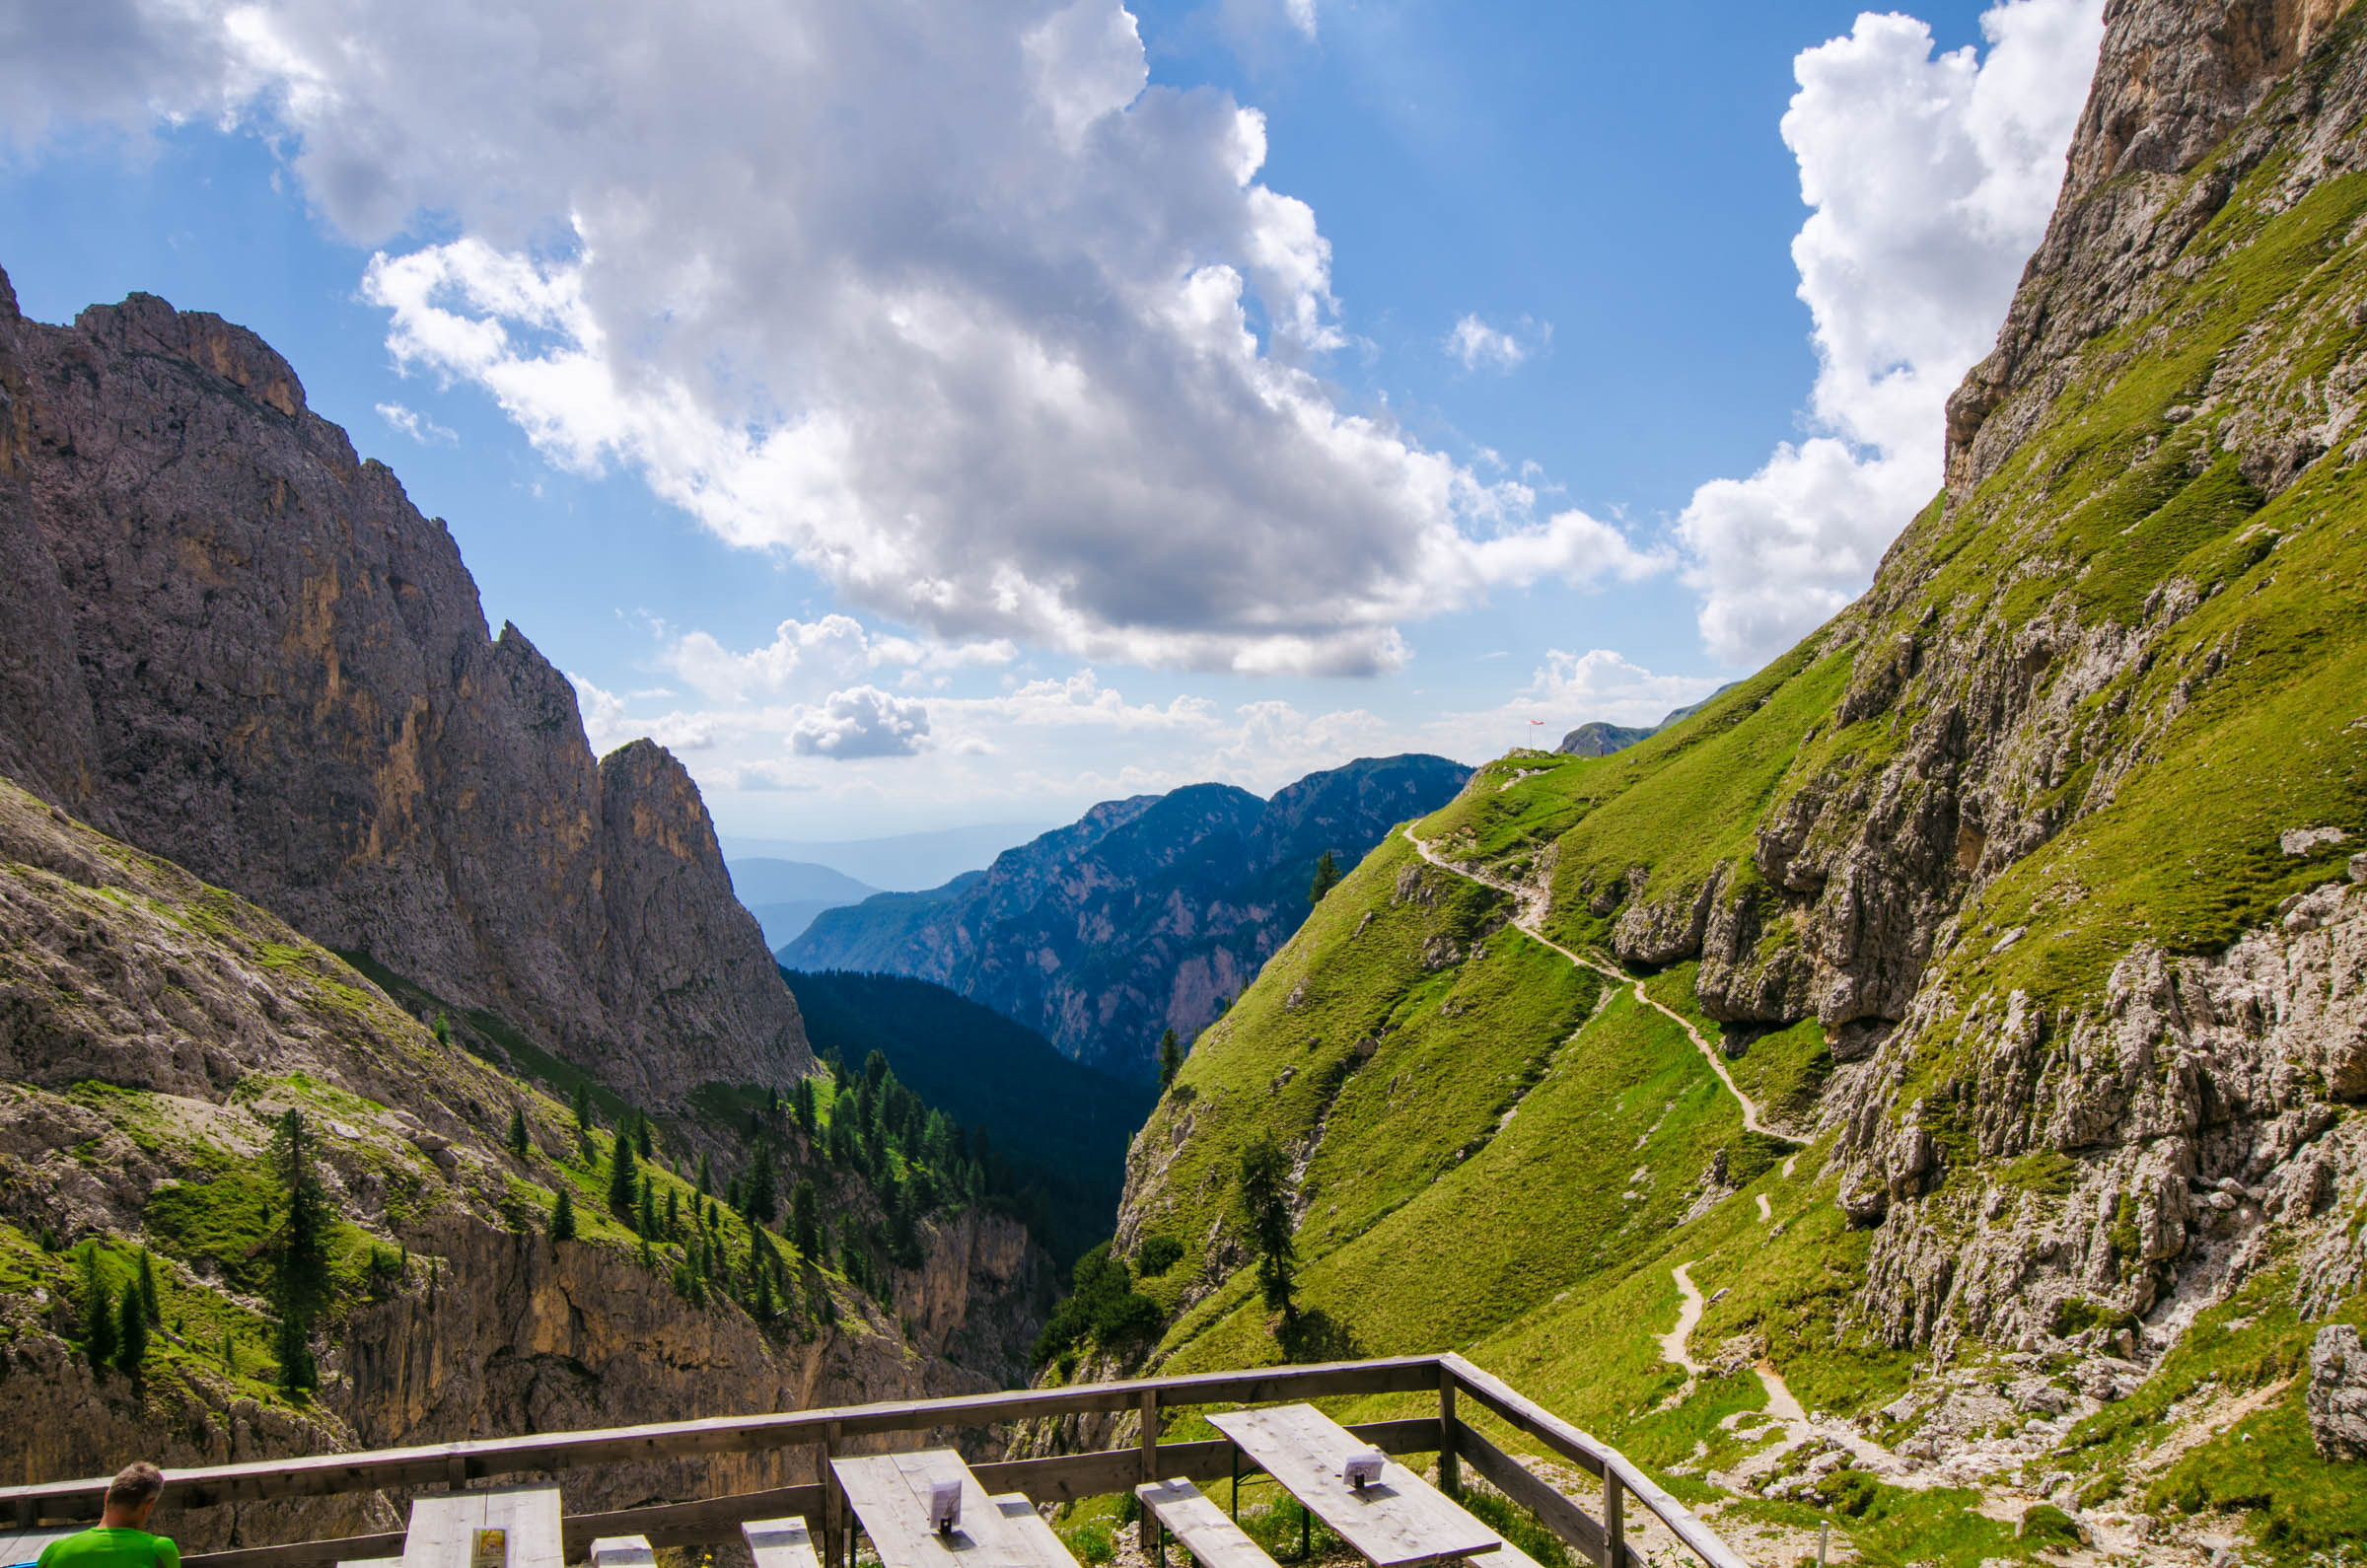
[
  {"x": 1398, "y": 1522},
  {"x": 890, "y": 1494},
  {"x": 444, "y": 1525}
]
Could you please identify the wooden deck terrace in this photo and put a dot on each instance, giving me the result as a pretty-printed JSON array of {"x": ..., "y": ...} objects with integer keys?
[{"x": 1598, "y": 1535}]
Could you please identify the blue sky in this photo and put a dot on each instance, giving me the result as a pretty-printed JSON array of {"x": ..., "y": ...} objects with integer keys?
[{"x": 1580, "y": 447}]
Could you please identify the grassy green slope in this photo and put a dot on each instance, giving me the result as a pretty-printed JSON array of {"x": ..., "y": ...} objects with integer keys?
[{"x": 2197, "y": 653}]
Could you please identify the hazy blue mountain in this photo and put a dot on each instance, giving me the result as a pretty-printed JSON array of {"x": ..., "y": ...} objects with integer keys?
[
  {"x": 1145, "y": 914},
  {"x": 760, "y": 879},
  {"x": 904, "y": 863}
]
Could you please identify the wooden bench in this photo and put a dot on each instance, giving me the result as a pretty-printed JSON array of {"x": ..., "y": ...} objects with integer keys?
[
  {"x": 623, "y": 1551},
  {"x": 1181, "y": 1510},
  {"x": 780, "y": 1542}
]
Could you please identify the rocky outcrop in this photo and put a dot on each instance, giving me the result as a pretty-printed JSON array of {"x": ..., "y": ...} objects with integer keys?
[
  {"x": 1146, "y": 914},
  {"x": 1601, "y": 740},
  {"x": 234, "y": 643},
  {"x": 2174, "y": 80},
  {"x": 2187, "y": 1122},
  {"x": 2337, "y": 1399}
]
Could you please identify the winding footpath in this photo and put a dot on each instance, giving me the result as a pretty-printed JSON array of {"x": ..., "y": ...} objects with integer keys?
[
  {"x": 1529, "y": 905},
  {"x": 1783, "y": 1408}
]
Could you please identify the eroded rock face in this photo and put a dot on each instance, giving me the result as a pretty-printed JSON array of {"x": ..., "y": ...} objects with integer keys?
[
  {"x": 239, "y": 646},
  {"x": 2337, "y": 1398},
  {"x": 2189, "y": 1118}
]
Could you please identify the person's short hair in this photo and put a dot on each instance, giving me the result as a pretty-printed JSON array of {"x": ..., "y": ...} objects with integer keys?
[{"x": 136, "y": 1484}]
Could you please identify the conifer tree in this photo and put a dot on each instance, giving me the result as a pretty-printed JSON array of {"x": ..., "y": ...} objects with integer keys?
[
  {"x": 760, "y": 1307},
  {"x": 1327, "y": 878},
  {"x": 706, "y": 1176},
  {"x": 649, "y": 1214},
  {"x": 99, "y": 1319},
  {"x": 131, "y": 1335},
  {"x": 624, "y": 1185},
  {"x": 583, "y": 1105},
  {"x": 519, "y": 1143},
  {"x": 762, "y": 1200},
  {"x": 806, "y": 1118},
  {"x": 301, "y": 1249},
  {"x": 805, "y": 1221},
  {"x": 148, "y": 1303},
  {"x": 1170, "y": 1059},
  {"x": 673, "y": 1213},
  {"x": 643, "y": 1139},
  {"x": 562, "y": 1214},
  {"x": 1266, "y": 1201}
]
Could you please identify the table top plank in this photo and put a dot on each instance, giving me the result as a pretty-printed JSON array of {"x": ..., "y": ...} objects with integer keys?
[
  {"x": 890, "y": 1494},
  {"x": 1200, "y": 1527},
  {"x": 443, "y": 1526},
  {"x": 1401, "y": 1522},
  {"x": 780, "y": 1542},
  {"x": 1014, "y": 1506}
]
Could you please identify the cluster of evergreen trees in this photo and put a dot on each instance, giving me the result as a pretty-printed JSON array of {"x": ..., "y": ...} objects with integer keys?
[
  {"x": 115, "y": 1328},
  {"x": 737, "y": 1241}
]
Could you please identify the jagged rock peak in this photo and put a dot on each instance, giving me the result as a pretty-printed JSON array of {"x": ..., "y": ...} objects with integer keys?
[{"x": 270, "y": 668}]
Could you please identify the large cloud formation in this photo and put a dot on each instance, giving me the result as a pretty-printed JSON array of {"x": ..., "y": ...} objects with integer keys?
[
  {"x": 948, "y": 301},
  {"x": 1931, "y": 178}
]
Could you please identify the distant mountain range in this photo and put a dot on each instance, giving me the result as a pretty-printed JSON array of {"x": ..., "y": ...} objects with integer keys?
[
  {"x": 901, "y": 863},
  {"x": 1144, "y": 915},
  {"x": 1601, "y": 740},
  {"x": 786, "y": 894}
]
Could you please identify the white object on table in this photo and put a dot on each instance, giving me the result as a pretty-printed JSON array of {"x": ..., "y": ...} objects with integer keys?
[
  {"x": 945, "y": 1506},
  {"x": 1361, "y": 1471}
]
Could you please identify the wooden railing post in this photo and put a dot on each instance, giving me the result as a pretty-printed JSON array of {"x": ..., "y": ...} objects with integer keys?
[
  {"x": 1614, "y": 1526},
  {"x": 1150, "y": 1435},
  {"x": 1450, "y": 1464},
  {"x": 832, "y": 1504}
]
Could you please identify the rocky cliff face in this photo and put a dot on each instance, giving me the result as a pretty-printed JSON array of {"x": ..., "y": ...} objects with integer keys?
[
  {"x": 232, "y": 643},
  {"x": 152, "y": 1027},
  {"x": 1144, "y": 915}
]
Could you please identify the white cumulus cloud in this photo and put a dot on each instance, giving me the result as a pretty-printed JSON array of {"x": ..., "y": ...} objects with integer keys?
[
  {"x": 947, "y": 302},
  {"x": 861, "y": 722},
  {"x": 1930, "y": 177}
]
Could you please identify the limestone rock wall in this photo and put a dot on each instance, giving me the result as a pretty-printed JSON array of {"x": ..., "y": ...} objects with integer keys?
[{"x": 236, "y": 644}]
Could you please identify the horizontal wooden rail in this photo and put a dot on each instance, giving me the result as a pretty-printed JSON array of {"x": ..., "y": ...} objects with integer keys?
[
  {"x": 1061, "y": 1478},
  {"x": 453, "y": 1462},
  {"x": 1056, "y": 1478}
]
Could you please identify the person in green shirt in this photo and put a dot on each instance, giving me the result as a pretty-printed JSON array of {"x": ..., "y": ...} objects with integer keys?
[{"x": 121, "y": 1539}]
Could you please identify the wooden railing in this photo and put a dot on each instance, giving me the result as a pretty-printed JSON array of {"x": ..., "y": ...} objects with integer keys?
[{"x": 1065, "y": 1477}]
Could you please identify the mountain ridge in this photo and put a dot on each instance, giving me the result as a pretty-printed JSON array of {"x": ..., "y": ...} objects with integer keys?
[
  {"x": 1144, "y": 915},
  {"x": 238, "y": 645}
]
